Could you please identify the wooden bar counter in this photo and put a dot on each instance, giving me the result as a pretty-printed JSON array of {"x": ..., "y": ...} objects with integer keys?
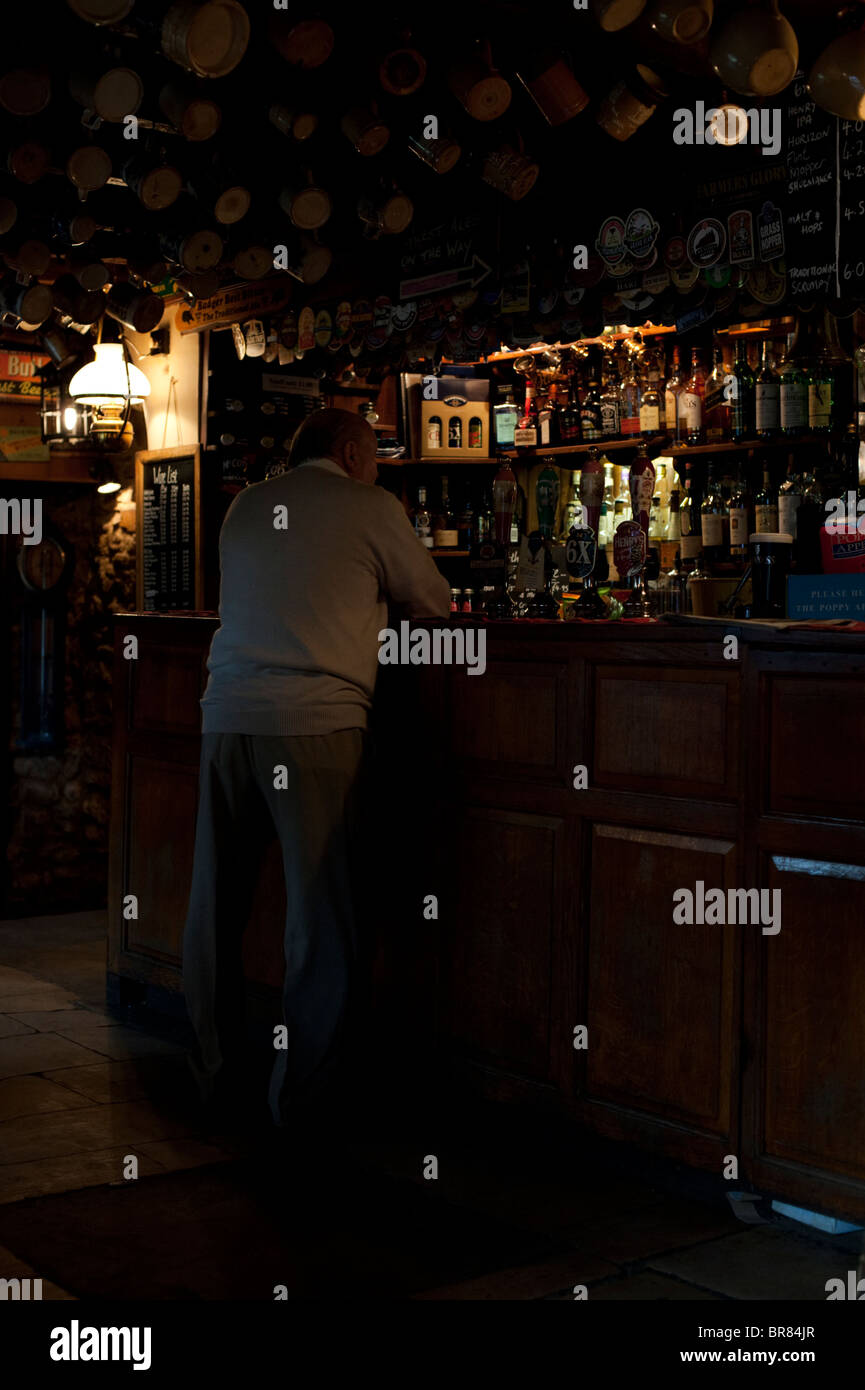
[{"x": 555, "y": 902}]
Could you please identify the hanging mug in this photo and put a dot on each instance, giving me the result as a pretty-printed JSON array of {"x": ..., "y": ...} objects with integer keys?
[
  {"x": 756, "y": 53},
  {"x": 631, "y": 102},
  {"x": 483, "y": 92},
  {"x": 682, "y": 21},
  {"x": 836, "y": 82},
  {"x": 617, "y": 14}
]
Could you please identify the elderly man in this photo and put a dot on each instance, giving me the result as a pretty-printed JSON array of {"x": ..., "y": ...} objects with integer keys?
[{"x": 309, "y": 561}]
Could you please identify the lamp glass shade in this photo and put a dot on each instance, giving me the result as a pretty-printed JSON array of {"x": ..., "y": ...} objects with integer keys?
[{"x": 104, "y": 381}]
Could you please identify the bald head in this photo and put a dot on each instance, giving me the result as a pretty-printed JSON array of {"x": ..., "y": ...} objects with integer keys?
[{"x": 339, "y": 435}]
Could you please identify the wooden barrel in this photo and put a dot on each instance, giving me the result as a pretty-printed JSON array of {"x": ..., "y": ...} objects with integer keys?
[
  {"x": 88, "y": 168},
  {"x": 195, "y": 116},
  {"x": 101, "y": 11},
  {"x": 25, "y": 91},
  {"x": 209, "y": 39},
  {"x": 305, "y": 43},
  {"x": 307, "y": 205},
  {"x": 135, "y": 308},
  {"x": 112, "y": 94}
]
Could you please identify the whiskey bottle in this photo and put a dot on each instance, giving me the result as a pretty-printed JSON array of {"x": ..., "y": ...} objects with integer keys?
[
  {"x": 713, "y": 515},
  {"x": 689, "y": 522},
  {"x": 717, "y": 404},
  {"x": 673, "y": 389},
  {"x": 445, "y": 531},
  {"x": 793, "y": 392},
  {"x": 768, "y": 398},
  {"x": 691, "y": 404},
  {"x": 611, "y": 407},
  {"x": 526, "y": 433},
  {"x": 422, "y": 520},
  {"x": 741, "y": 394},
  {"x": 766, "y": 506},
  {"x": 591, "y": 419},
  {"x": 740, "y": 521}
]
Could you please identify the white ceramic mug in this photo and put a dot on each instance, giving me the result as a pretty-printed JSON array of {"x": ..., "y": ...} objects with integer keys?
[
  {"x": 757, "y": 52},
  {"x": 682, "y": 21},
  {"x": 837, "y": 79}
]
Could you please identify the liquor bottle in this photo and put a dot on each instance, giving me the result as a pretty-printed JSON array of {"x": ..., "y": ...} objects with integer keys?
[
  {"x": 611, "y": 407},
  {"x": 717, "y": 409},
  {"x": 691, "y": 403},
  {"x": 591, "y": 418},
  {"x": 455, "y": 432},
  {"x": 673, "y": 389},
  {"x": 789, "y": 501},
  {"x": 689, "y": 522},
  {"x": 574, "y": 508},
  {"x": 467, "y": 525},
  {"x": 713, "y": 515},
  {"x": 624, "y": 493},
  {"x": 740, "y": 386},
  {"x": 766, "y": 506},
  {"x": 526, "y": 433},
  {"x": 740, "y": 522},
  {"x": 506, "y": 415},
  {"x": 547, "y": 499},
  {"x": 445, "y": 533},
  {"x": 793, "y": 391},
  {"x": 655, "y": 379},
  {"x": 656, "y": 526},
  {"x": 671, "y": 541},
  {"x": 569, "y": 416},
  {"x": 821, "y": 389},
  {"x": 548, "y": 420},
  {"x": 650, "y": 409},
  {"x": 423, "y": 523},
  {"x": 767, "y": 398},
  {"x": 631, "y": 399}
]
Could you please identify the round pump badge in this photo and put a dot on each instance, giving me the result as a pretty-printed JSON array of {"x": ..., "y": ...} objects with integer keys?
[
  {"x": 685, "y": 277},
  {"x": 656, "y": 281},
  {"x": 581, "y": 551},
  {"x": 305, "y": 329},
  {"x": 675, "y": 253},
  {"x": 323, "y": 328},
  {"x": 718, "y": 277},
  {"x": 404, "y": 316},
  {"x": 706, "y": 242},
  {"x": 641, "y": 231},
  {"x": 766, "y": 284},
  {"x": 342, "y": 321}
]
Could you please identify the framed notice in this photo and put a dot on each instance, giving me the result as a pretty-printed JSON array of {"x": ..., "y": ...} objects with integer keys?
[{"x": 168, "y": 514}]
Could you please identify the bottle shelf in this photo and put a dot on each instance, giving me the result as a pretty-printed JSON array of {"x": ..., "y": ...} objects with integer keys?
[
  {"x": 439, "y": 554},
  {"x": 673, "y": 450},
  {"x": 438, "y": 462}
]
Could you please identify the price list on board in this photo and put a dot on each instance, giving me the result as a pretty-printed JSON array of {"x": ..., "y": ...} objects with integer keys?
[{"x": 168, "y": 534}]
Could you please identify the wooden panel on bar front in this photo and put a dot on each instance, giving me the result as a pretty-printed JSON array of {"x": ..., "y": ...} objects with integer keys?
[
  {"x": 667, "y": 730},
  {"x": 497, "y": 931},
  {"x": 512, "y": 716},
  {"x": 166, "y": 688},
  {"x": 813, "y": 1048},
  {"x": 816, "y": 746},
  {"x": 159, "y": 837},
  {"x": 660, "y": 996}
]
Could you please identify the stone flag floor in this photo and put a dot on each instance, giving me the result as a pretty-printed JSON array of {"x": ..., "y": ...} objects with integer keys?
[{"x": 513, "y": 1215}]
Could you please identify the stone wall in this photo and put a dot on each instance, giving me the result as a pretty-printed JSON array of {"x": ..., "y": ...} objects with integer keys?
[{"x": 57, "y": 855}]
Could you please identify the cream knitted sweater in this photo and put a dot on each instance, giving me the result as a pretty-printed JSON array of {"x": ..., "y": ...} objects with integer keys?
[{"x": 302, "y": 602}]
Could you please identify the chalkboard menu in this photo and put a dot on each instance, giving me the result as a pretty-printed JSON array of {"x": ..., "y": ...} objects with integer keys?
[
  {"x": 851, "y": 210},
  {"x": 810, "y": 202},
  {"x": 168, "y": 508}
]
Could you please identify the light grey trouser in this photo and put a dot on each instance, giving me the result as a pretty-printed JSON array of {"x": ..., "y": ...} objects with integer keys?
[{"x": 317, "y": 820}]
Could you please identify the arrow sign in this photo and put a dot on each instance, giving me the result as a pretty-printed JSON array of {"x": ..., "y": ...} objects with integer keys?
[{"x": 446, "y": 280}]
